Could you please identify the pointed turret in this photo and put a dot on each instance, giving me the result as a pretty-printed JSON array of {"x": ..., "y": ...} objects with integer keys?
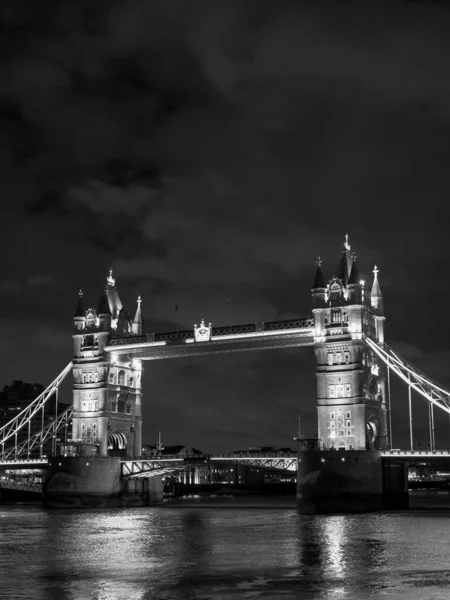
[
  {"x": 319, "y": 281},
  {"x": 376, "y": 297},
  {"x": 138, "y": 321},
  {"x": 354, "y": 286},
  {"x": 354, "y": 274},
  {"x": 319, "y": 290},
  {"x": 104, "y": 311},
  {"x": 79, "y": 318},
  {"x": 345, "y": 264},
  {"x": 115, "y": 304},
  {"x": 103, "y": 305},
  {"x": 80, "y": 310}
]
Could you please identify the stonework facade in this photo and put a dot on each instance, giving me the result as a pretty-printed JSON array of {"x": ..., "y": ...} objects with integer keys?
[
  {"x": 351, "y": 382},
  {"x": 106, "y": 387}
]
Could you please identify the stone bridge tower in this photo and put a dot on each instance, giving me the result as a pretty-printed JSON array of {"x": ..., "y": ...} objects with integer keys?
[
  {"x": 351, "y": 388},
  {"x": 107, "y": 415}
]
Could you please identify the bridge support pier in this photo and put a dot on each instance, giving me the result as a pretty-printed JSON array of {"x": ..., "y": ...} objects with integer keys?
[
  {"x": 334, "y": 481},
  {"x": 93, "y": 481}
]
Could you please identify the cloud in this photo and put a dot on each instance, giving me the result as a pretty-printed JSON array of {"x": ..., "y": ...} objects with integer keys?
[{"x": 211, "y": 150}]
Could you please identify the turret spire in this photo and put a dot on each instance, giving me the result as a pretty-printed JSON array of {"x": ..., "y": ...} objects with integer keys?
[
  {"x": 115, "y": 304},
  {"x": 346, "y": 244},
  {"x": 80, "y": 311},
  {"x": 319, "y": 281},
  {"x": 137, "y": 326},
  {"x": 345, "y": 265},
  {"x": 376, "y": 297},
  {"x": 354, "y": 275},
  {"x": 110, "y": 280}
]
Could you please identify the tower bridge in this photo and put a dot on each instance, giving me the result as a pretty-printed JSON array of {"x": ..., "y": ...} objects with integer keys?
[{"x": 353, "y": 368}]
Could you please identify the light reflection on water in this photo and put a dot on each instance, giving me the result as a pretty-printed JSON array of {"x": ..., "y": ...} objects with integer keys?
[{"x": 199, "y": 554}]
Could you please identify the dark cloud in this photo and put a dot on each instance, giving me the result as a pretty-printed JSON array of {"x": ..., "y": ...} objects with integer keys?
[{"x": 212, "y": 149}]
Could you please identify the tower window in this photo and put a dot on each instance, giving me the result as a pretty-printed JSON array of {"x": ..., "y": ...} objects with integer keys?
[
  {"x": 348, "y": 414},
  {"x": 121, "y": 378},
  {"x": 336, "y": 316},
  {"x": 122, "y": 403},
  {"x": 332, "y": 415}
]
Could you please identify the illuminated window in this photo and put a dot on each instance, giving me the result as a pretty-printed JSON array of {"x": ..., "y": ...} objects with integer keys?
[{"x": 336, "y": 316}]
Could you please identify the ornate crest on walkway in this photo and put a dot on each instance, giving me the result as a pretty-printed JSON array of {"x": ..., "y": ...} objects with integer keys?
[{"x": 203, "y": 332}]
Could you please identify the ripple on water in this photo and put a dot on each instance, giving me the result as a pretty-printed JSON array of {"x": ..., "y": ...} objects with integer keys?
[{"x": 196, "y": 553}]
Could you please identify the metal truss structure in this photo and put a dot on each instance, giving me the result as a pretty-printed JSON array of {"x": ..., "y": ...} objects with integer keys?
[
  {"x": 38, "y": 440},
  {"x": 280, "y": 463},
  {"x": 167, "y": 464},
  {"x": 24, "y": 418},
  {"x": 414, "y": 378},
  {"x": 24, "y": 486},
  {"x": 134, "y": 469}
]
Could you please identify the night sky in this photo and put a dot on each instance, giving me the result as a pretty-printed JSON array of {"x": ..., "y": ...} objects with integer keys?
[{"x": 208, "y": 150}]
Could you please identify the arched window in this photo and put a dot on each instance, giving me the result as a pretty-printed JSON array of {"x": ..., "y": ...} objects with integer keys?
[
  {"x": 111, "y": 377},
  {"x": 121, "y": 378},
  {"x": 128, "y": 407},
  {"x": 113, "y": 405},
  {"x": 90, "y": 407},
  {"x": 131, "y": 381},
  {"x": 96, "y": 376},
  {"x": 83, "y": 378},
  {"x": 122, "y": 400},
  {"x": 83, "y": 430},
  {"x": 88, "y": 433}
]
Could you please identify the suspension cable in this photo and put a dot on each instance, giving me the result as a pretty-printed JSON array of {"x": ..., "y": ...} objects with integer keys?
[
  {"x": 12, "y": 427},
  {"x": 418, "y": 382}
]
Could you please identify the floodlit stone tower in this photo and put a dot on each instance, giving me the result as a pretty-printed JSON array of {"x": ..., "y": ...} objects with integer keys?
[
  {"x": 350, "y": 379},
  {"x": 107, "y": 417}
]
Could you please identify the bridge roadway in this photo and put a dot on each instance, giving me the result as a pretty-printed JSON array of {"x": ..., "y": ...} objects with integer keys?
[
  {"x": 280, "y": 461},
  {"x": 253, "y": 336}
]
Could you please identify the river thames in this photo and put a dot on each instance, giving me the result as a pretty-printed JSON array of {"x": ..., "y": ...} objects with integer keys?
[{"x": 197, "y": 553}]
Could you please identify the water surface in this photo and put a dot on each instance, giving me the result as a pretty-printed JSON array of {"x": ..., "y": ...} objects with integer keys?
[{"x": 197, "y": 553}]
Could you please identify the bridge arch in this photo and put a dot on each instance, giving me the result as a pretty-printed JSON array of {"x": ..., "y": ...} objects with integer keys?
[{"x": 117, "y": 442}]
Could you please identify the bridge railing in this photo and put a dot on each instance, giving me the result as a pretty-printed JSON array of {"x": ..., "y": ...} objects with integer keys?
[{"x": 257, "y": 328}]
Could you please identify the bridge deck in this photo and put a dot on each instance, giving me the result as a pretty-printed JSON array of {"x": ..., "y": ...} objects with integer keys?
[{"x": 254, "y": 336}]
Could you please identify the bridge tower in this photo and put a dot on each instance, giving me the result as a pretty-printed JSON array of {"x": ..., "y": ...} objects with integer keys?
[
  {"x": 106, "y": 387},
  {"x": 351, "y": 382}
]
